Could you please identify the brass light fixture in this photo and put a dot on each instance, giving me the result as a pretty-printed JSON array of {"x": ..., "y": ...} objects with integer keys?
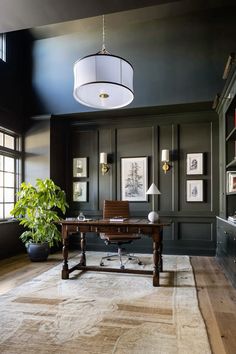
[
  {"x": 165, "y": 158},
  {"x": 103, "y": 162}
]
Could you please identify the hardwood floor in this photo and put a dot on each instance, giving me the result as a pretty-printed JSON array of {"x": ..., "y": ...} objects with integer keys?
[
  {"x": 217, "y": 302},
  {"x": 217, "y": 297}
]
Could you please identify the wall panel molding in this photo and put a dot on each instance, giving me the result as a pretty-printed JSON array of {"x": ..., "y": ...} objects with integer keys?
[{"x": 133, "y": 133}]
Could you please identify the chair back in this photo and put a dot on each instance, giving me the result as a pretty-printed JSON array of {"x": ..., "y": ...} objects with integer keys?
[{"x": 113, "y": 208}]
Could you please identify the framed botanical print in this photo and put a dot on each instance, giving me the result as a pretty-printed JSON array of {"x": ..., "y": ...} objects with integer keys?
[
  {"x": 80, "y": 167},
  {"x": 194, "y": 164},
  {"x": 194, "y": 190},
  {"x": 79, "y": 191},
  {"x": 134, "y": 178}
]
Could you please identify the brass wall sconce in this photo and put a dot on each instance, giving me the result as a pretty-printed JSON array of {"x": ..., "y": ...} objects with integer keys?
[
  {"x": 103, "y": 162},
  {"x": 165, "y": 158}
]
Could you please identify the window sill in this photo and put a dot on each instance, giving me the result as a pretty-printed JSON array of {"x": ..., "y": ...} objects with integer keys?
[{"x": 7, "y": 221}]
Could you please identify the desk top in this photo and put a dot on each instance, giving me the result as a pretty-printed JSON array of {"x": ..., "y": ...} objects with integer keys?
[{"x": 103, "y": 222}]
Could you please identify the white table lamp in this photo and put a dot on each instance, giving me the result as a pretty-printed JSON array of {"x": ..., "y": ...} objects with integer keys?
[{"x": 153, "y": 215}]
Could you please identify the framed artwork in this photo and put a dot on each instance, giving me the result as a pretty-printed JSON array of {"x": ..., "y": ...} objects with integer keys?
[
  {"x": 79, "y": 191},
  {"x": 80, "y": 167},
  {"x": 194, "y": 164},
  {"x": 134, "y": 178},
  {"x": 194, "y": 190},
  {"x": 231, "y": 182}
]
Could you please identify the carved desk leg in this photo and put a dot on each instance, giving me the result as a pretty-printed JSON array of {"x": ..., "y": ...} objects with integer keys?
[
  {"x": 65, "y": 270},
  {"x": 156, "y": 258},
  {"x": 83, "y": 249}
]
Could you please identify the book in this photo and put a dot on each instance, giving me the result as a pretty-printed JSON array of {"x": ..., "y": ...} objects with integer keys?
[{"x": 118, "y": 218}]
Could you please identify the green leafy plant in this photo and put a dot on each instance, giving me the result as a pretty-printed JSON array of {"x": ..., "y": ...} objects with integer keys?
[{"x": 37, "y": 210}]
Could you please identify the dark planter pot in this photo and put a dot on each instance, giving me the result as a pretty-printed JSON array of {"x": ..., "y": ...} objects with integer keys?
[{"x": 38, "y": 252}]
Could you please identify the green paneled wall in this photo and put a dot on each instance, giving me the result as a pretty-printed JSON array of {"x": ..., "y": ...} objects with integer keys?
[{"x": 134, "y": 133}]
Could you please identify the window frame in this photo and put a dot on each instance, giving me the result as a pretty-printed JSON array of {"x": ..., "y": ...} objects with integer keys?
[
  {"x": 3, "y": 46},
  {"x": 17, "y": 154}
]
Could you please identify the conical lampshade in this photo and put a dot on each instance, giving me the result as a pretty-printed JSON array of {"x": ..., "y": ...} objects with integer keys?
[{"x": 153, "y": 189}]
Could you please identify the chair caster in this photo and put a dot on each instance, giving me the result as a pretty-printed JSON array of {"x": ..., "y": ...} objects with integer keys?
[
  {"x": 122, "y": 267},
  {"x": 101, "y": 264},
  {"x": 140, "y": 263}
]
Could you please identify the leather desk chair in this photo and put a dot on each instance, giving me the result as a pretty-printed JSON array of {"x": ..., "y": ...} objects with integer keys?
[{"x": 112, "y": 208}]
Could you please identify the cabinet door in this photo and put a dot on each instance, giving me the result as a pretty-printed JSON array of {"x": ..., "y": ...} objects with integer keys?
[
  {"x": 226, "y": 248},
  {"x": 222, "y": 242},
  {"x": 231, "y": 248}
]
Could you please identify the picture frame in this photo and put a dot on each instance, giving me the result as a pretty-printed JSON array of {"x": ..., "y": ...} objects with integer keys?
[
  {"x": 134, "y": 179},
  {"x": 231, "y": 182},
  {"x": 194, "y": 164},
  {"x": 194, "y": 189},
  {"x": 80, "y": 167},
  {"x": 79, "y": 191}
]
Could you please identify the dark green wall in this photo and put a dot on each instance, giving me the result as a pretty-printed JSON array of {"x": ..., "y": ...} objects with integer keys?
[
  {"x": 10, "y": 244},
  {"x": 15, "y": 82},
  {"x": 132, "y": 133},
  {"x": 15, "y": 107}
]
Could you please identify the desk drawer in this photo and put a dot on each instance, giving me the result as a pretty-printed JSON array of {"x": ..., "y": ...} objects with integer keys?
[{"x": 130, "y": 229}]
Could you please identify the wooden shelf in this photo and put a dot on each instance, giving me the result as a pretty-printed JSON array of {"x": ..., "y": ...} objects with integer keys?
[
  {"x": 232, "y": 135},
  {"x": 231, "y": 164}
]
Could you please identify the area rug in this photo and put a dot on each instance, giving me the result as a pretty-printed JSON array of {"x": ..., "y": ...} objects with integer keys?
[{"x": 105, "y": 313}]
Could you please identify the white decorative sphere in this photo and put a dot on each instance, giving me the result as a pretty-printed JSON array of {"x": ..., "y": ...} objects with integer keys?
[{"x": 153, "y": 216}]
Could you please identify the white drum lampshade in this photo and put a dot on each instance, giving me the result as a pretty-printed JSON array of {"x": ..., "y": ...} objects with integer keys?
[{"x": 103, "y": 81}]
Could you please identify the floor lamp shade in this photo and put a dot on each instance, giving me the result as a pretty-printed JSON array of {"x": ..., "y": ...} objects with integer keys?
[{"x": 103, "y": 81}]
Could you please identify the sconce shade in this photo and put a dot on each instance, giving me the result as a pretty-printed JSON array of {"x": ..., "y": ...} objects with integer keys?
[
  {"x": 153, "y": 189},
  {"x": 103, "y": 81},
  {"x": 165, "y": 155},
  {"x": 103, "y": 157}
]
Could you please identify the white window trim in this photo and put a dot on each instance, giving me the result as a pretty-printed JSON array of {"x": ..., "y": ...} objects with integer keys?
[{"x": 3, "y": 47}]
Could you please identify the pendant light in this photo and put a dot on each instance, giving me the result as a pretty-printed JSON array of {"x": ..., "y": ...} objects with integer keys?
[{"x": 103, "y": 80}]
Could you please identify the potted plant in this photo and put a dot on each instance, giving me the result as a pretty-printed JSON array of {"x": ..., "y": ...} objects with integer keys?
[{"x": 37, "y": 210}]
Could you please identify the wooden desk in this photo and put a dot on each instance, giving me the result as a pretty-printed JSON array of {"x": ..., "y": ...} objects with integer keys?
[{"x": 131, "y": 226}]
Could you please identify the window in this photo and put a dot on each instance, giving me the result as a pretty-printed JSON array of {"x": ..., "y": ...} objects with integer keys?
[
  {"x": 10, "y": 171},
  {"x": 3, "y": 46}
]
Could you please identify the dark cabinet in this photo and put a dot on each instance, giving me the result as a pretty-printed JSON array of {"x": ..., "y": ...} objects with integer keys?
[
  {"x": 226, "y": 248},
  {"x": 226, "y": 231},
  {"x": 226, "y": 110}
]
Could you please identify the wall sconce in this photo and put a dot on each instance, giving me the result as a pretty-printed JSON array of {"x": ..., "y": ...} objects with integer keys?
[
  {"x": 165, "y": 158},
  {"x": 103, "y": 162}
]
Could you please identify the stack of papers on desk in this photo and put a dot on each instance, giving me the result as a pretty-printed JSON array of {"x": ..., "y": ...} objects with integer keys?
[{"x": 118, "y": 218}]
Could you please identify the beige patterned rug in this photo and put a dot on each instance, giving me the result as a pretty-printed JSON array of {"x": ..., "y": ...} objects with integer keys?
[{"x": 105, "y": 313}]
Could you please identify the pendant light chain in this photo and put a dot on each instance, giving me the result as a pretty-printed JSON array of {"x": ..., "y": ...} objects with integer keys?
[
  {"x": 103, "y": 50},
  {"x": 103, "y": 34}
]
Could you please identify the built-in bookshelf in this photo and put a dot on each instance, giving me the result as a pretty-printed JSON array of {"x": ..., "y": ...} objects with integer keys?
[
  {"x": 226, "y": 223},
  {"x": 230, "y": 153},
  {"x": 230, "y": 121}
]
